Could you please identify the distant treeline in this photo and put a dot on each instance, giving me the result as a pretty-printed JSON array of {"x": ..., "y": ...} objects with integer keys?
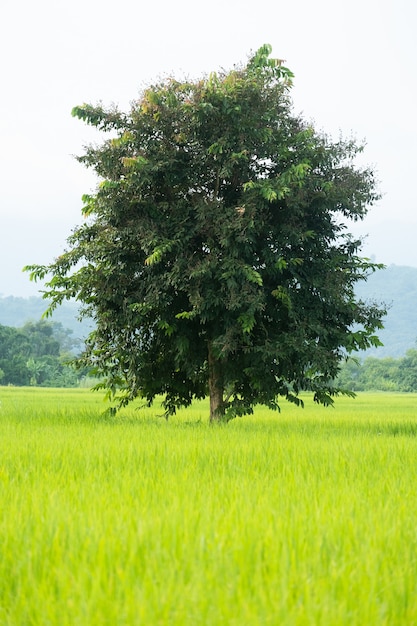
[
  {"x": 38, "y": 354},
  {"x": 387, "y": 374},
  {"x": 35, "y": 352},
  {"x": 396, "y": 286}
]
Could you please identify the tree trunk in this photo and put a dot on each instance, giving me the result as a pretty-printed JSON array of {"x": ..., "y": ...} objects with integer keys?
[{"x": 216, "y": 386}]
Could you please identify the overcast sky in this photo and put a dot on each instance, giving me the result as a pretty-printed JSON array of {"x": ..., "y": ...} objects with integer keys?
[{"x": 355, "y": 66}]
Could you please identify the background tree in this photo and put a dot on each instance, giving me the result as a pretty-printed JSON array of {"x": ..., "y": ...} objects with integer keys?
[
  {"x": 380, "y": 374},
  {"x": 41, "y": 338},
  {"x": 37, "y": 354},
  {"x": 386, "y": 374},
  {"x": 408, "y": 371},
  {"x": 14, "y": 353},
  {"x": 215, "y": 257}
]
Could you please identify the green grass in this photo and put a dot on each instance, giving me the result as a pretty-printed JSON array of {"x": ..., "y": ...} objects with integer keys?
[{"x": 304, "y": 517}]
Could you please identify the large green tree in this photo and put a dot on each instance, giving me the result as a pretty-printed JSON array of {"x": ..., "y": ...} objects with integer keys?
[{"x": 215, "y": 257}]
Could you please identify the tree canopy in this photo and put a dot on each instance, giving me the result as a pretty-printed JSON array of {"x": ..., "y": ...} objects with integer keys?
[
  {"x": 37, "y": 354},
  {"x": 215, "y": 257}
]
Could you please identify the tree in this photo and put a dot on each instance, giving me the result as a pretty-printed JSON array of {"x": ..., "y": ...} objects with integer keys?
[
  {"x": 14, "y": 352},
  {"x": 408, "y": 371},
  {"x": 41, "y": 338},
  {"x": 35, "y": 368},
  {"x": 381, "y": 374},
  {"x": 37, "y": 354},
  {"x": 215, "y": 257}
]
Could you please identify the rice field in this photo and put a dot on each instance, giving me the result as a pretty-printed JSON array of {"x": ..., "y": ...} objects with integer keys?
[{"x": 307, "y": 517}]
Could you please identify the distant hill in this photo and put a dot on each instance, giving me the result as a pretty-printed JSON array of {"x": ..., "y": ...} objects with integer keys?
[
  {"x": 15, "y": 311},
  {"x": 396, "y": 286}
]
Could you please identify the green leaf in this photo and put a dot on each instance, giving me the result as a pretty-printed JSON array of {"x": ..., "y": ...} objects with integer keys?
[
  {"x": 185, "y": 315},
  {"x": 135, "y": 163},
  {"x": 281, "y": 294},
  {"x": 89, "y": 205},
  {"x": 166, "y": 327},
  {"x": 247, "y": 322},
  {"x": 215, "y": 148},
  {"x": 268, "y": 193},
  {"x": 158, "y": 253},
  {"x": 252, "y": 275},
  {"x": 155, "y": 257},
  {"x": 281, "y": 264}
]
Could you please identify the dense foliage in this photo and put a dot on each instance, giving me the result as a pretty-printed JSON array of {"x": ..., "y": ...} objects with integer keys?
[
  {"x": 386, "y": 374},
  {"x": 37, "y": 354},
  {"x": 394, "y": 285},
  {"x": 215, "y": 258}
]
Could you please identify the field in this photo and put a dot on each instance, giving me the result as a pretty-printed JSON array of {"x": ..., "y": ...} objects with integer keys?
[{"x": 308, "y": 517}]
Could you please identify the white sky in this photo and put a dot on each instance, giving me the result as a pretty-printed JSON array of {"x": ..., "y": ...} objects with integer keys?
[{"x": 355, "y": 66}]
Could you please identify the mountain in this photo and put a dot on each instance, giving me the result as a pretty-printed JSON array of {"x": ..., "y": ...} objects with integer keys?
[
  {"x": 395, "y": 286},
  {"x": 16, "y": 311}
]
